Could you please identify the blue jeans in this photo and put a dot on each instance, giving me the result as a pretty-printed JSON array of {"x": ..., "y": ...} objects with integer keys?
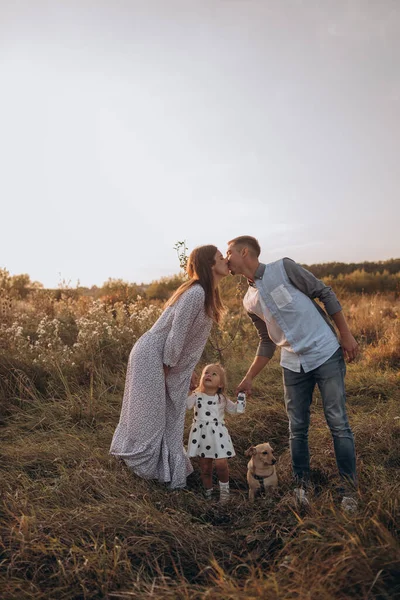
[{"x": 299, "y": 389}]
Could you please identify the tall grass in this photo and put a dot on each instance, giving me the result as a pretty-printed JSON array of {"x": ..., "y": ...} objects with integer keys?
[{"x": 75, "y": 523}]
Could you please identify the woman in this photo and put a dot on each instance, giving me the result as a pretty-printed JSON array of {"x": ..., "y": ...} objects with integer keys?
[{"x": 149, "y": 436}]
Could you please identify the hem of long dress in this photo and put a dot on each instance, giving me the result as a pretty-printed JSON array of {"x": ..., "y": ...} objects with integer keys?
[
  {"x": 181, "y": 468},
  {"x": 174, "y": 475},
  {"x": 142, "y": 470}
]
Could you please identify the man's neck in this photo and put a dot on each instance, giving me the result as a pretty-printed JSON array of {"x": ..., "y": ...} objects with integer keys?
[{"x": 250, "y": 272}]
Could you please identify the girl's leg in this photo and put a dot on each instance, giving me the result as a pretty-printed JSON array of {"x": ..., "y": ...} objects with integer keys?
[
  {"x": 206, "y": 472},
  {"x": 221, "y": 466},
  {"x": 222, "y": 469}
]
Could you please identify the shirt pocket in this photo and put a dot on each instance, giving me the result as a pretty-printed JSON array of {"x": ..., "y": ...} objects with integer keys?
[{"x": 281, "y": 296}]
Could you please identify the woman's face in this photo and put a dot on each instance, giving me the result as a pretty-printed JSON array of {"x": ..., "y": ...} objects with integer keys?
[
  {"x": 220, "y": 266},
  {"x": 235, "y": 259}
]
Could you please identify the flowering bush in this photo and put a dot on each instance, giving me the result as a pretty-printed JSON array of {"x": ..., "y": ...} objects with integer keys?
[{"x": 68, "y": 338}]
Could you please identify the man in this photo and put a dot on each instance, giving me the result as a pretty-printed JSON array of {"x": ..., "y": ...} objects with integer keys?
[{"x": 280, "y": 302}]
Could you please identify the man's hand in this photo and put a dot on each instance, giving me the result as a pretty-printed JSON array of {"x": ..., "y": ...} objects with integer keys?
[
  {"x": 245, "y": 386},
  {"x": 349, "y": 345},
  {"x": 347, "y": 341},
  {"x": 256, "y": 366}
]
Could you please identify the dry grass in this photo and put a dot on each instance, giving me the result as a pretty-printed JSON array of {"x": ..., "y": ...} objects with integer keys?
[{"x": 76, "y": 524}]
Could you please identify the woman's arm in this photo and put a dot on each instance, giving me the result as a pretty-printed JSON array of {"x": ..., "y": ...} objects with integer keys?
[
  {"x": 194, "y": 381},
  {"x": 186, "y": 309}
]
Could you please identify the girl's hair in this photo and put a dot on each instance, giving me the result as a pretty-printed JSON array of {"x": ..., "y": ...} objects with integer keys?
[
  {"x": 222, "y": 376},
  {"x": 198, "y": 268}
]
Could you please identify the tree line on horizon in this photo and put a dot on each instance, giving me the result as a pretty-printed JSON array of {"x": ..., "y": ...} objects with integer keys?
[
  {"x": 366, "y": 277},
  {"x": 334, "y": 269}
]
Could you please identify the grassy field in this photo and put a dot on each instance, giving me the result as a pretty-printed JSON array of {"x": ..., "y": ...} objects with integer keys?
[{"x": 75, "y": 523}]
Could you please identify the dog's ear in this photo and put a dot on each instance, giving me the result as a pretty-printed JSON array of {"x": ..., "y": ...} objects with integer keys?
[{"x": 250, "y": 451}]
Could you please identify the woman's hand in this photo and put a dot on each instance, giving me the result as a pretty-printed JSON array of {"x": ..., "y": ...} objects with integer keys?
[
  {"x": 166, "y": 370},
  {"x": 194, "y": 381}
]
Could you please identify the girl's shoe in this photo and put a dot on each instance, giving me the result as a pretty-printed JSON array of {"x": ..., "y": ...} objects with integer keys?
[
  {"x": 208, "y": 494},
  {"x": 223, "y": 492}
]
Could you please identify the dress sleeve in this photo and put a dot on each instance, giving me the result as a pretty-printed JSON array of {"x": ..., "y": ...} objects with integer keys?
[
  {"x": 186, "y": 309},
  {"x": 190, "y": 401}
]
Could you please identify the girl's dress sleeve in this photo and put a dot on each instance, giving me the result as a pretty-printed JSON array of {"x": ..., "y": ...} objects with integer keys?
[
  {"x": 190, "y": 401},
  {"x": 187, "y": 308},
  {"x": 230, "y": 407}
]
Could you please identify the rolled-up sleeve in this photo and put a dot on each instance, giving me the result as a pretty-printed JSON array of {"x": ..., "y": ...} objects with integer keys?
[
  {"x": 312, "y": 287},
  {"x": 266, "y": 347}
]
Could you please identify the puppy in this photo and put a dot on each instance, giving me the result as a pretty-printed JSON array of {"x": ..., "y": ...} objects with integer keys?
[{"x": 261, "y": 471}]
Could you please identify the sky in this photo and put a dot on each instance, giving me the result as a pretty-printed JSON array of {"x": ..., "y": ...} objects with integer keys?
[{"x": 127, "y": 126}]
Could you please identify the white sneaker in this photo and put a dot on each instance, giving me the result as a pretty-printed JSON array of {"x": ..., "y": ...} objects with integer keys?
[
  {"x": 224, "y": 496},
  {"x": 208, "y": 494},
  {"x": 223, "y": 492},
  {"x": 349, "y": 504},
  {"x": 301, "y": 497}
]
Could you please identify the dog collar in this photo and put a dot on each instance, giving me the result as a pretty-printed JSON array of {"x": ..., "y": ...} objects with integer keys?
[
  {"x": 258, "y": 477},
  {"x": 261, "y": 477}
]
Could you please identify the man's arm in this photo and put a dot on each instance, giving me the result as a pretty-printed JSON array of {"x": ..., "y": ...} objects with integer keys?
[
  {"x": 255, "y": 368},
  {"x": 265, "y": 352},
  {"x": 312, "y": 287},
  {"x": 307, "y": 283},
  {"x": 347, "y": 341}
]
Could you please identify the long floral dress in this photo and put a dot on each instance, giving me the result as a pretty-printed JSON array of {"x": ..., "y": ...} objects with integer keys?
[{"x": 149, "y": 435}]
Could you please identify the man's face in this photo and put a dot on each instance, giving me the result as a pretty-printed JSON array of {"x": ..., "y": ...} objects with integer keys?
[{"x": 235, "y": 259}]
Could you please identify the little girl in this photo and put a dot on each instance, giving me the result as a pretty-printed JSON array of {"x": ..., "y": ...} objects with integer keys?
[{"x": 209, "y": 438}]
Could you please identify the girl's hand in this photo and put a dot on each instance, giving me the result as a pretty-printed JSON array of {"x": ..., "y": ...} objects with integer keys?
[{"x": 194, "y": 381}]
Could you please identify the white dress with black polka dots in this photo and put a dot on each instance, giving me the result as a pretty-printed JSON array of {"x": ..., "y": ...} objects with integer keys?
[
  {"x": 209, "y": 436},
  {"x": 149, "y": 435}
]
